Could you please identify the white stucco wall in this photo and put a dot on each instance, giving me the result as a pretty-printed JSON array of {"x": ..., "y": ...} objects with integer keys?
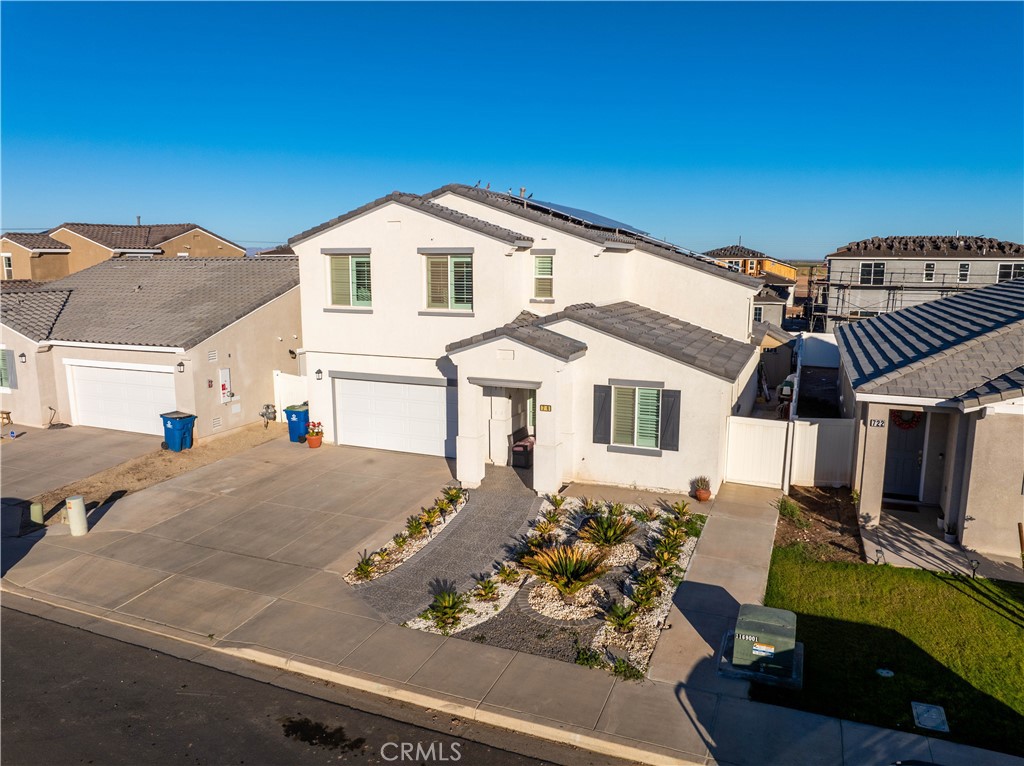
[{"x": 32, "y": 389}]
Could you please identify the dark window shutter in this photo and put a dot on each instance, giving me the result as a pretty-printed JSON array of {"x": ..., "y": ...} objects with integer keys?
[
  {"x": 670, "y": 420},
  {"x": 602, "y": 414}
]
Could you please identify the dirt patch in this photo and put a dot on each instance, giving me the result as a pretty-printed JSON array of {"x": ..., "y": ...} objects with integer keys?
[
  {"x": 155, "y": 467},
  {"x": 826, "y": 525}
]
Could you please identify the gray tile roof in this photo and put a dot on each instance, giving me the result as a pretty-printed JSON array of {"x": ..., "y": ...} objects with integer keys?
[
  {"x": 942, "y": 349},
  {"x": 930, "y": 247},
  {"x": 1009, "y": 385},
  {"x": 40, "y": 242},
  {"x": 167, "y": 301},
  {"x": 591, "y": 232},
  {"x": 663, "y": 334},
  {"x": 277, "y": 250},
  {"x": 768, "y": 295},
  {"x": 32, "y": 312},
  {"x": 525, "y": 329},
  {"x": 127, "y": 237},
  {"x": 760, "y": 329},
  {"x": 426, "y": 206},
  {"x": 734, "y": 252}
]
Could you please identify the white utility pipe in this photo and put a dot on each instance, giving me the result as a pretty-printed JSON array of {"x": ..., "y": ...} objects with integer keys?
[{"x": 76, "y": 515}]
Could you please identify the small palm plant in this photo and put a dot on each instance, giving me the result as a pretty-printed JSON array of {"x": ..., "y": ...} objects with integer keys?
[
  {"x": 616, "y": 509},
  {"x": 430, "y": 516},
  {"x": 447, "y": 610},
  {"x": 674, "y": 527},
  {"x": 453, "y": 495},
  {"x": 486, "y": 590},
  {"x": 647, "y": 588},
  {"x": 679, "y": 508},
  {"x": 644, "y": 514},
  {"x": 444, "y": 507},
  {"x": 588, "y": 505},
  {"x": 606, "y": 530},
  {"x": 620, "y": 617},
  {"x": 364, "y": 569},
  {"x": 557, "y": 501},
  {"x": 545, "y": 528},
  {"x": 400, "y": 540},
  {"x": 415, "y": 527},
  {"x": 566, "y": 568},
  {"x": 508, "y": 574},
  {"x": 552, "y": 515},
  {"x": 669, "y": 545},
  {"x": 664, "y": 559}
]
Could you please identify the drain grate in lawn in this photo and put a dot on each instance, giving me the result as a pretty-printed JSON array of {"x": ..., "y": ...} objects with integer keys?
[{"x": 948, "y": 640}]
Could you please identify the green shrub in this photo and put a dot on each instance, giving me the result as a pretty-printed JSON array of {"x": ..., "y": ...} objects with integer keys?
[
  {"x": 557, "y": 501},
  {"x": 400, "y": 540},
  {"x": 679, "y": 508},
  {"x": 665, "y": 560},
  {"x": 789, "y": 509},
  {"x": 648, "y": 587},
  {"x": 607, "y": 529},
  {"x": 588, "y": 505},
  {"x": 567, "y": 569},
  {"x": 620, "y": 617},
  {"x": 626, "y": 671},
  {"x": 447, "y": 610},
  {"x": 644, "y": 514},
  {"x": 453, "y": 495},
  {"x": 670, "y": 545},
  {"x": 486, "y": 590},
  {"x": 590, "y": 658},
  {"x": 693, "y": 524},
  {"x": 364, "y": 568},
  {"x": 551, "y": 515},
  {"x": 545, "y": 528},
  {"x": 430, "y": 516},
  {"x": 616, "y": 509},
  {"x": 444, "y": 507},
  {"x": 415, "y": 527},
  {"x": 508, "y": 574}
]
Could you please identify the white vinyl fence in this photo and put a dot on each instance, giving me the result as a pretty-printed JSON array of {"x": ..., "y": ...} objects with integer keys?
[
  {"x": 777, "y": 453},
  {"x": 288, "y": 390}
]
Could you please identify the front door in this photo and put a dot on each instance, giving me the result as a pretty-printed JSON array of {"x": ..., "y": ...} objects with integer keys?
[{"x": 904, "y": 454}]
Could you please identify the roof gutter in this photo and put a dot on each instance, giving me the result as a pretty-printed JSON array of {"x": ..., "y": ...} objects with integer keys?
[
  {"x": 917, "y": 401},
  {"x": 117, "y": 346}
]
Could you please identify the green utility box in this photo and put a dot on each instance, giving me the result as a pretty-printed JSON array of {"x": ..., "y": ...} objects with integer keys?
[{"x": 765, "y": 641}]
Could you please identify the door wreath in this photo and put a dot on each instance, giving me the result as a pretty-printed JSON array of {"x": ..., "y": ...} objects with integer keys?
[{"x": 906, "y": 419}]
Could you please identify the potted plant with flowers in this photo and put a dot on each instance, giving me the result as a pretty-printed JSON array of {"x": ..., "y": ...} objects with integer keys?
[{"x": 315, "y": 434}]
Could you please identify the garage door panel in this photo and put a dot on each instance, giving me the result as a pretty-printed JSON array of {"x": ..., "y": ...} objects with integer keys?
[
  {"x": 396, "y": 416},
  {"x": 120, "y": 399}
]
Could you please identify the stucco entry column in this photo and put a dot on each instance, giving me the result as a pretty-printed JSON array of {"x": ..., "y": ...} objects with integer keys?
[
  {"x": 471, "y": 443},
  {"x": 499, "y": 426},
  {"x": 873, "y": 464},
  {"x": 547, "y": 453}
]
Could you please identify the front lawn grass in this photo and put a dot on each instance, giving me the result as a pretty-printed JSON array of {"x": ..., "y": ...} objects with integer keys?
[{"x": 950, "y": 641}]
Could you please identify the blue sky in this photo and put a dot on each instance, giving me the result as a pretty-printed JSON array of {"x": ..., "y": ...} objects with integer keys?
[{"x": 799, "y": 127}]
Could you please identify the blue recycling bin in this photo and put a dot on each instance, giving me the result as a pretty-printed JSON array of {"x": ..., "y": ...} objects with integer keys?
[
  {"x": 297, "y": 416},
  {"x": 178, "y": 430}
]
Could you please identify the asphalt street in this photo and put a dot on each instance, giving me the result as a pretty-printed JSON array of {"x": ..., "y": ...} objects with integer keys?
[{"x": 71, "y": 697}]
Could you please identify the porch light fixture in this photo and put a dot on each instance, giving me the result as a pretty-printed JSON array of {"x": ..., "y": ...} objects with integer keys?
[
  {"x": 181, "y": 367},
  {"x": 974, "y": 567},
  {"x": 291, "y": 353},
  {"x": 319, "y": 374},
  {"x": 22, "y": 358}
]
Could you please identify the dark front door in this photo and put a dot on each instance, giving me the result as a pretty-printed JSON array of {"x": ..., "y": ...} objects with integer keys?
[{"x": 904, "y": 453}]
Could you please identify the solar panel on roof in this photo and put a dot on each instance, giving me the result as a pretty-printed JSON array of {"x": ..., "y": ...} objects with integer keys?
[{"x": 587, "y": 217}]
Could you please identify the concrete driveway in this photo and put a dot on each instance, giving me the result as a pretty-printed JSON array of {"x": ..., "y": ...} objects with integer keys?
[
  {"x": 206, "y": 551},
  {"x": 40, "y": 459}
]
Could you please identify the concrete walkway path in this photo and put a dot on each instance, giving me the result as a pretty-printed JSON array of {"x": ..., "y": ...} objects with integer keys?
[{"x": 498, "y": 511}]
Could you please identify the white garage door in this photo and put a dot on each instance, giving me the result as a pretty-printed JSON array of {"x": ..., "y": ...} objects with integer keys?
[
  {"x": 124, "y": 400},
  {"x": 398, "y": 416}
]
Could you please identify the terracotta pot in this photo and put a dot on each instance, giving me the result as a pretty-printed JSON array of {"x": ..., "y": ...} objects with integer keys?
[
  {"x": 703, "y": 495},
  {"x": 314, "y": 441}
]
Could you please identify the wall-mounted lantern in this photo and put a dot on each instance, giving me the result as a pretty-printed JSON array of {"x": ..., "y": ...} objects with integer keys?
[
  {"x": 22, "y": 358},
  {"x": 181, "y": 367},
  {"x": 319, "y": 374}
]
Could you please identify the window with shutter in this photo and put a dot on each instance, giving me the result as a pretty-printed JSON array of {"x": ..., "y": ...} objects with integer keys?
[
  {"x": 341, "y": 281},
  {"x": 450, "y": 282},
  {"x": 543, "y": 276},
  {"x": 623, "y": 415},
  {"x": 5, "y": 374},
  {"x": 648, "y": 423},
  {"x": 361, "y": 285}
]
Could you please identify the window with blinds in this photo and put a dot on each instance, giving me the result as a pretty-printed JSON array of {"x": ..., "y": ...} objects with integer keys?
[
  {"x": 450, "y": 282},
  {"x": 543, "y": 276},
  {"x": 636, "y": 416},
  {"x": 350, "y": 280},
  {"x": 5, "y": 368}
]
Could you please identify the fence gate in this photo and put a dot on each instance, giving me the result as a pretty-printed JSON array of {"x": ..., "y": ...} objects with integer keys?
[
  {"x": 822, "y": 452},
  {"x": 757, "y": 451}
]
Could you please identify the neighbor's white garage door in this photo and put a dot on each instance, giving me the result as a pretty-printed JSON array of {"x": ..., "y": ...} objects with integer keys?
[
  {"x": 397, "y": 416},
  {"x": 124, "y": 400}
]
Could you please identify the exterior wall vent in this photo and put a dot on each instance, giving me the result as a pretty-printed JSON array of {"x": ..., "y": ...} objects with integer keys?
[
  {"x": 217, "y": 422},
  {"x": 211, "y": 356}
]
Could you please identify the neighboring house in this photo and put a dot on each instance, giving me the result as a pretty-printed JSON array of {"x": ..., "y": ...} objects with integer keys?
[
  {"x": 769, "y": 306},
  {"x": 71, "y": 247},
  {"x": 882, "y": 274},
  {"x": 777, "y": 348},
  {"x": 938, "y": 394},
  {"x": 277, "y": 250},
  {"x": 754, "y": 263},
  {"x": 119, "y": 343},
  {"x": 423, "y": 326}
]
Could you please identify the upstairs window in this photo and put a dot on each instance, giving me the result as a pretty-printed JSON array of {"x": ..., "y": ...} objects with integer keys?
[
  {"x": 350, "y": 281},
  {"x": 1007, "y": 271},
  {"x": 636, "y": 416},
  {"x": 872, "y": 273},
  {"x": 758, "y": 313},
  {"x": 929, "y": 272},
  {"x": 8, "y": 266},
  {"x": 543, "y": 276},
  {"x": 963, "y": 273},
  {"x": 450, "y": 282}
]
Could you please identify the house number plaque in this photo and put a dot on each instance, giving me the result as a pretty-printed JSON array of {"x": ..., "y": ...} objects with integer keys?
[
  {"x": 877, "y": 422},
  {"x": 545, "y": 408}
]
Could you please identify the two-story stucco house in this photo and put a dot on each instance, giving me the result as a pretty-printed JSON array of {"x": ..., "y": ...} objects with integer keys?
[
  {"x": 882, "y": 274},
  {"x": 448, "y": 323},
  {"x": 72, "y": 247}
]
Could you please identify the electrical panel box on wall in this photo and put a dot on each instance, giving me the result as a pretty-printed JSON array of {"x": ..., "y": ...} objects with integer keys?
[{"x": 226, "y": 394}]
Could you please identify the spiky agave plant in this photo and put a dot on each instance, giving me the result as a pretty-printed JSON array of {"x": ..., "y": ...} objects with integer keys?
[
  {"x": 566, "y": 568},
  {"x": 557, "y": 501},
  {"x": 430, "y": 516},
  {"x": 485, "y": 590},
  {"x": 415, "y": 527},
  {"x": 552, "y": 515},
  {"x": 364, "y": 568},
  {"x": 545, "y": 528},
  {"x": 679, "y": 508},
  {"x": 606, "y": 530},
  {"x": 508, "y": 574},
  {"x": 444, "y": 507},
  {"x": 447, "y": 610},
  {"x": 453, "y": 495},
  {"x": 620, "y": 617},
  {"x": 401, "y": 539}
]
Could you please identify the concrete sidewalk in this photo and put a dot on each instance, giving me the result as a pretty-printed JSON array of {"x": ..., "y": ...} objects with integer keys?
[{"x": 293, "y": 618}]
